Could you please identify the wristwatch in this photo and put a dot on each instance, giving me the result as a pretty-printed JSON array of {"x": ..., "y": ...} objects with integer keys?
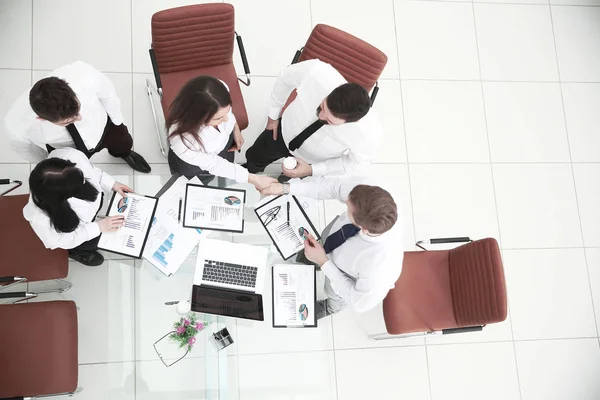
[{"x": 286, "y": 188}]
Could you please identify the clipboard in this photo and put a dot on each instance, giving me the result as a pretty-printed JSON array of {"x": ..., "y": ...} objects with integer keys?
[
  {"x": 258, "y": 213},
  {"x": 187, "y": 224},
  {"x": 307, "y": 308},
  {"x": 141, "y": 252}
]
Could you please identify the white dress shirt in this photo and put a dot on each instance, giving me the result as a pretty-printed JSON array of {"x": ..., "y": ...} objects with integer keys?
[
  {"x": 214, "y": 141},
  {"x": 85, "y": 210},
  {"x": 363, "y": 269},
  {"x": 28, "y": 135},
  {"x": 333, "y": 149}
]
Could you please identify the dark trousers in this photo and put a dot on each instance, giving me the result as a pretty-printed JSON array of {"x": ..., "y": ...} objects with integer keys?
[
  {"x": 90, "y": 245},
  {"x": 115, "y": 138},
  {"x": 178, "y": 166},
  {"x": 265, "y": 151}
]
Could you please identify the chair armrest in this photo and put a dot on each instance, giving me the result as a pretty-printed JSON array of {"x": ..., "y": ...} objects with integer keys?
[
  {"x": 244, "y": 59},
  {"x": 11, "y": 279},
  {"x": 461, "y": 239},
  {"x": 7, "y": 181},
  {"x": 155, "y": 70},
  {"x": 13, "y": 295},
  {"x": 374, "y": 93},
  {"x": 297, "y": 55},
  {"x": 462, "y": 330}
]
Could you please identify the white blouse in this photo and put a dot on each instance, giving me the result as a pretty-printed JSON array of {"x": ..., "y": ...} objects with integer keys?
[
  {"x": 214, "y": 141},
  {"x": 85, "y": 210}
]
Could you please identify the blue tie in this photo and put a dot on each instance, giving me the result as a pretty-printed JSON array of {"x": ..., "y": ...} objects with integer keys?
[{"x": 336, "y": 239}]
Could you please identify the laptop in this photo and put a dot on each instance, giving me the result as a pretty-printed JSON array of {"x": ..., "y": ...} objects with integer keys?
[{"x": 229, "y": 279}]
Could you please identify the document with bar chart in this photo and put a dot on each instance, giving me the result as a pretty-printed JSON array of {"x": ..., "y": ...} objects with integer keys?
[
  {"x": 294, "y": 296},
  {"x": 131, "y": 238},
  {"x": 286, "y": 223},
  {"x": 217, "y": 209}
]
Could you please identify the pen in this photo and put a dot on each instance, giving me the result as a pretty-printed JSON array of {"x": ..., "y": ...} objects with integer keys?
[
  {"x": 288, "y": 211},
  {"x": 179, "y": 212}
]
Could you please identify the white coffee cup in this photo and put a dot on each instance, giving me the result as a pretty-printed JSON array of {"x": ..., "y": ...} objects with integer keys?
[{"x": 290, "y": 163}]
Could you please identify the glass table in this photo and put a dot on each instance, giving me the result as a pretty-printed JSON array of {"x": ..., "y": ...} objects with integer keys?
[{"x": 217, "y": 374}]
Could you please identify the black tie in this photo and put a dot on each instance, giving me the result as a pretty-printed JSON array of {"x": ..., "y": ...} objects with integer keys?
[
  {"x": 338, "y": 238},
  {"x": 79, "y": 144},
  {"x": 305, "y": 134}
]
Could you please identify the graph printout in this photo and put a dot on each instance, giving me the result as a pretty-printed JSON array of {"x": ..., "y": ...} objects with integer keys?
[
  {"x": 213, "y": 208},
  {"x": 131, "y": 238}
]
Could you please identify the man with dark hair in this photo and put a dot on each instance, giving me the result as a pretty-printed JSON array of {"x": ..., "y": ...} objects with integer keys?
[
  {"x": 327, "y": 124},
  {"x": 76, "y": 106},
  {"x": 362, "y": 249}
]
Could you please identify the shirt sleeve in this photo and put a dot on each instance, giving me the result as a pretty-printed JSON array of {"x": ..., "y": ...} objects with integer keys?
[
  {"x": 289, "y": 78},
  {"x": 107, "y": 94},
  {"x": 24, "y": 147},
  {"x": 362, "y": 295},
  {"x": 347, "y": 164},
  {"x": 106, "y": 181},
  {"x": 214, "y": 164},
  {"x": 65, "y": 240},
  {"x": 326, "y": 188}
]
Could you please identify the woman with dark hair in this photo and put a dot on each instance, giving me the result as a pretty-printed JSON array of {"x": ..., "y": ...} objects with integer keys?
[
  {"x": 66, "y": 194},
  {"x": 204, "y": 135}
]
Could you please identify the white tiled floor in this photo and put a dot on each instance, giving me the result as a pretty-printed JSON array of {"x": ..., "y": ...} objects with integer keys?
[{"x": 491, "y": 118}]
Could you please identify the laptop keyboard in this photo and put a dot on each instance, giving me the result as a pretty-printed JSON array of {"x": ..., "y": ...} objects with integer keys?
[{"x": 232, "y": 274}]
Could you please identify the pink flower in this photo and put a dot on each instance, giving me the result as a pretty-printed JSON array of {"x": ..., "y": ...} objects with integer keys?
[
  {"x": 199, "y": 326},
  {"x": 181, "y": 330},
  {"x": 186, "y": 322},
  {"x": 191, "y": 341}
]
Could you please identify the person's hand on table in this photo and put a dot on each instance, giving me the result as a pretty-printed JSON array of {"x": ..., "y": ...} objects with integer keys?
[
  {"x": 272, "y": 125},
  {"x": 302, "y": 169},
  {"x": 261, "y": 182},
  {"x": 275, "y": 188},
  {"x": 122, "y": 189},
  {"x": 111, "y": 224},
  {"x": 238, "y": 139},
  {"x": 314, "y": 251}
]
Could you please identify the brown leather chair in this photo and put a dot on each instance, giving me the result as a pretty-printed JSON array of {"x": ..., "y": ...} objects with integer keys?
[
  {"x": 191, "y": 41},
  {"x": 357, "y": 61},
  {"x": 24, "y": 257},
  {"x": 38, "y": 349},
  {"x": 447, "y": 291}
]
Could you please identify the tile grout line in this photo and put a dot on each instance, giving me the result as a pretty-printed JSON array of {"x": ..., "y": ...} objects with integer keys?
[
  {"x": 587, "y": 268},
  {"x": 494, "y": 191},
  {"x": 132, "y": 132},
  {"x": 412, "y": 209}
]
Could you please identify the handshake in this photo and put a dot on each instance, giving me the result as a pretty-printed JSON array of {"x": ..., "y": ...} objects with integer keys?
[{"x": 270, "y": 186}]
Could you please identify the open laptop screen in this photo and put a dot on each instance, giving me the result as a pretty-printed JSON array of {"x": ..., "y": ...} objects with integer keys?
[{"x": 231, "y": 303}]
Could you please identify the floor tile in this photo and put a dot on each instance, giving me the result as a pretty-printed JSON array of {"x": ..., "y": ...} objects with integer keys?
[
  {"x": 351, "y": 330},
  {"x": 445, "y": 121},
  {"x": 515, "y": 42},
  {"x": 301, "y": 376},
  {"x": 451, "y": 200},
  {"x": 593, "y": 264},
  {"x": 104, "y": 297},
  {"x": 587, "y": 183},
  {"x": 536, "y": 2},
  {"x": 141, "y": 17},
  {"x": 549, "y": 294},
  {"x": 577, "y": 43},
  {"x": 436, "y": 40},
  {"x": 498, "y": 332},
  {"x": 114, "y": 381},
  {"x": 467, "y": 371},
  {"x": 395, "y": 373},
  {"x": 374, "y": 25},
  {"x": 559, "y": 369},
  {"x": 108, "y": 49},
  {"x": 257, "y": 21},
  {"x": 15, "y": 34},
  {"x": 14, "y": 84},
  {"x": 19, "y": 172},
  {"x": 581, "y": 101},
  {"x": 536, "y": 206},
  {"x": 184, "y": 380},
  {"x": 535, "y": 130},
  {"x": 575, "y": 2},
  {"x": 388, "y": 106}
]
